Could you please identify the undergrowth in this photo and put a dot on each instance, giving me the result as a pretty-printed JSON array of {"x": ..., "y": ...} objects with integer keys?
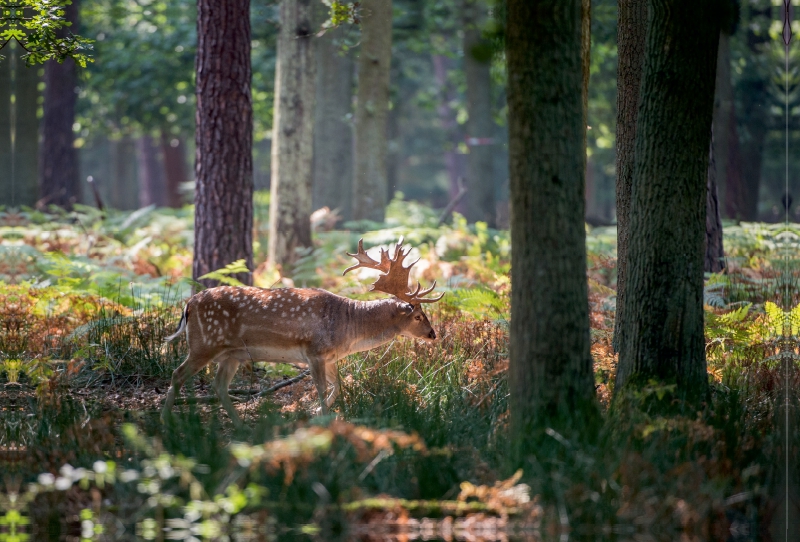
[{"x": 420, "y": 431}]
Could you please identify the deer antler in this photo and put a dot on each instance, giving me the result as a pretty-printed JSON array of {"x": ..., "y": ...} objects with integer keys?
[{"x": 394, "y": 279}]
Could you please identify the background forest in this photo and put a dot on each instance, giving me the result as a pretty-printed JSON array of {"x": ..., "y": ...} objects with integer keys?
[{"x": 122, "y": 193}]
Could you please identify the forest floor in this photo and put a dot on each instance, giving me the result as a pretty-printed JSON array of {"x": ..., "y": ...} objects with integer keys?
[{"x": 417, "y": 447}]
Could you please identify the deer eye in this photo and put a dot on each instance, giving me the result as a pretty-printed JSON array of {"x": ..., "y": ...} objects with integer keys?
[{"x": 418, "y": 317}]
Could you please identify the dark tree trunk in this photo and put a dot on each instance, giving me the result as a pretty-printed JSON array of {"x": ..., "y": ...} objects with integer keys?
[
  {"x": 479, "y": 201},
  {"x": 173, "y": 152},
  {"x": 631, "y": 34},
  {"x": 333, "y": 134},
  {"x": 293, "y": 135},
  {"x": 715, "y": 255},
  {"x": 151, "y": 173},
  {"x": 550, "y": 378},
  {"x": 453, "y": 160},
  {"x": 372, "y": 109},
  {"x": 58, "y": 160},
  {"x": 663, "y": 318},
  {"x": 224, "y": 139},
  {"x": 723, "y": 116}
]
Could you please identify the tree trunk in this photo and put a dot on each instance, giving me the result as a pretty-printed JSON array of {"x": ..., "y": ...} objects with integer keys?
[
  {"x": 151, "y": 173},
  {"x": 550, "y": 379},
  {"x": 293, "y": 135},
  {"x": 663, "y": 318},
  {"x": 714, "y": 255},
  {"x": 374, "y": 63},
  {"x": 223, "y": 222},
  {"x": 479, "y": 202},
  {"x": 26, "y": 147},
  {"x": 58, "y": 160},
  {"x": 173, "y": 152},
  {"x": 454, "y": 161},
  {"x": 333, "y": 134},
  {"x": 631, "y": 33}
]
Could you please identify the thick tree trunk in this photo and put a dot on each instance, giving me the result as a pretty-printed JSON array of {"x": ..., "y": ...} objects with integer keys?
[
  {"x": 293, "y": 135},
  {"x": 663, "y": 318},
  {"x": 223, "y": 223},
  {"x": 173, "y": 152},
  {"x": 372, "y": 108},
  {"x": 151, "y": 173},
  {"x": 550, "y": 376},
  {"x": 333, "y": 134},
  {"x": 454, "y": 161},
  {"x": 631, "y": 33},
  {"x": 58, "y": 160},
  {"x": 714, "y": 254},
  {"x": 480, "y": 182}
]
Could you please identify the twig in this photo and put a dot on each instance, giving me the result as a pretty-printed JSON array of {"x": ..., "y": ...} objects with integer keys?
[
  {"x": 283, "y": 384},
  {"x": 462, "y": 190}
]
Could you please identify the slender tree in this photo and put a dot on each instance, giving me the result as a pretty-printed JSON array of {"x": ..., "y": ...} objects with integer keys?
[
  {"x": 631, "y": 32},
  {"x": 293, "y": 134},
  {"x": 58, "y": 160},
  {"x": 372, "y": 107},
  {"x": 6, "y": 156},
  {"x": 173, "y": 152},
  {"x": 551, "y": 368},
  {"x": 224, "y": 138},
  {"x": 663, "y": 316},
  {"x": 480, "y": 200},
  {"x": 333, "y": 134},
  {"x": 151, "y": 172}
]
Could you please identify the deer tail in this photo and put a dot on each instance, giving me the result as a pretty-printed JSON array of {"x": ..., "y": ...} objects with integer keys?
[{"x": 181, "y": 326}]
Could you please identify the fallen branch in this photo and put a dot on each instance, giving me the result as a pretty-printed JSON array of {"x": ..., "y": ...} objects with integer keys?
[{"x": 462, "y": 190}]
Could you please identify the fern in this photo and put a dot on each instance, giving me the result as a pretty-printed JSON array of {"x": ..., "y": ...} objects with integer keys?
[{"x": 224, "y": 275}]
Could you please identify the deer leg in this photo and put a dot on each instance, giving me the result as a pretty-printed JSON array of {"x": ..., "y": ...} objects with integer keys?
[
  {"x": 318, "y": 373},
  {"x": 190, "y": 367},
  {"x": 332, "y": 377},
  {"x": 225, "y": 372}
]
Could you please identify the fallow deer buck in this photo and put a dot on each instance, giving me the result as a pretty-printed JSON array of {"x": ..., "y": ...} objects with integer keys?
[{"x": 307, "y": 326}]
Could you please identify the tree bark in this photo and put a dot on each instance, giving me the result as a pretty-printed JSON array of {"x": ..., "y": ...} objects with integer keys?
[
  {"x": 333, "y": 133},
  {"x": 714, "y": 254},
  {"x": 480, "y": 198},
  {"x": 631, "y": 34},
  {"x": 124, "y": 189},
  {"x": 550, "y": 378},
  {"x": 173, "y": 151},
  {"x": 151, "y": 173},
  {"x": 663, "y": 318},
  {"x": 293, "y": 135},
  {"x": 58, "y": 160},
  {"x": 224, "y": 139},
  {"x": 372, "y": 107}
]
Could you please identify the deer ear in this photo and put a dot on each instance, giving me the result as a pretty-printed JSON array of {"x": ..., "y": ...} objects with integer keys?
[{"x": 406, "y": 308}]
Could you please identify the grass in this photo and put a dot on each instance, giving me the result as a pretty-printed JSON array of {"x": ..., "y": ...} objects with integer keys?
[{"x": 420, "y": 433}]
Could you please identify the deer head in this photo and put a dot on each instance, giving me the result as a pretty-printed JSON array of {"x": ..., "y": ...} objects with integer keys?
[{"x": 394, "y": 281}]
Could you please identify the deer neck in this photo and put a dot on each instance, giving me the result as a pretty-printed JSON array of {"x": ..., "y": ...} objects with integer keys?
[{"x": 373, "y": 323}]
